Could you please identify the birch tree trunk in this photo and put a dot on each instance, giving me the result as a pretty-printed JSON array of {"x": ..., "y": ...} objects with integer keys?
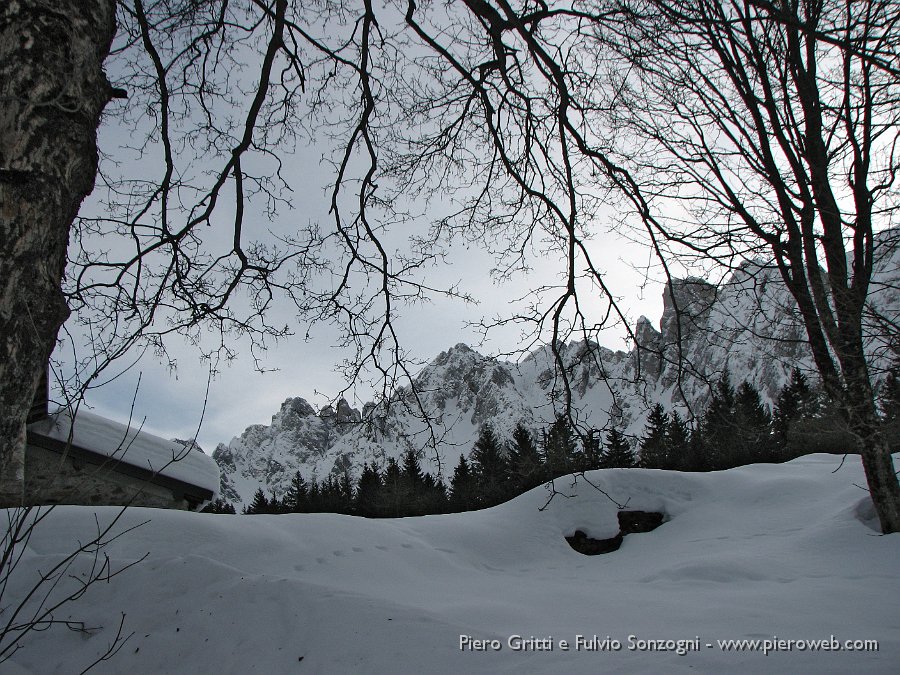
[{"x": 52, "y": 92}]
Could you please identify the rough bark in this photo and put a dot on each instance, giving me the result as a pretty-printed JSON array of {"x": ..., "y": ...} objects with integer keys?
[
  {"x": 52, "y": 92},
  {"x": 874, "y": 450}
]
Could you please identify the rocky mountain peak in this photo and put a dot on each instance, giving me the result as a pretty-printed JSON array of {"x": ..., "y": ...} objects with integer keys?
[
  {"x": 343, "y": 416},
  {"x": 746, "y": 326},
  {"x": 687, "y": 302},
  {"x": 296, "y": 407}
]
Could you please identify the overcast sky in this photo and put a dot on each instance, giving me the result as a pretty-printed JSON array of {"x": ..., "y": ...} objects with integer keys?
[
  {"x": 172, "y": 400},
  {"x": 239, "y": 395}
]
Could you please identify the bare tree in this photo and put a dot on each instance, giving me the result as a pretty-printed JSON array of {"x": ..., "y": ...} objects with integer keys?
[
  {"x": 730, "y": 130},
  {"x": 772, "y": 128},
  {"x": 52, "y": 91},
  {"x": 217, "y": 92},
  {"x": 401, "y": 116}
]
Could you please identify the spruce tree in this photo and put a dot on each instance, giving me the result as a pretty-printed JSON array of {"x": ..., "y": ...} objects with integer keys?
[
  {"x": 618, "y": 453},
  {"x": 719, "y": 428},
  {"x": 489, "y": 468},
  {"x": 220, "y": 506},
  {"x": 655, "y": 443},
  {"x": 315, "y": 497},
  {"x": 434, "y": 495},
  {"x": 413, "y": 484},
  {"x": 698, "y": 455},
  {"x": 463, "y": 489},
  {"x": 754, "y": 426},
  {"x": 277, "y": 505},
  {"x": 560, "y": 443},
  {"x": 345, "y": 491},
  {"x": 392, "y": 496},
  {"x": 524, "y": 466},
  {"x": 368, "y": 492},
  {"x": 297, "y": 495},
  {"x": 680, "y": 447},
  {"x": 412, "y": 469},
  {"x": 591, "y": 454},
  {"x": 332, "y": 494},
  {"x": 259, "y": 504},
  {"x": 890, "y": 394},
  {"x": 796, "y": 402},
  {"x": 890, "y": 407}
]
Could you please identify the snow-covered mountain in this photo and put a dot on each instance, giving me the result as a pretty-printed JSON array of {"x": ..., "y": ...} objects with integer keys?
[{"x": 747, "y": 326}]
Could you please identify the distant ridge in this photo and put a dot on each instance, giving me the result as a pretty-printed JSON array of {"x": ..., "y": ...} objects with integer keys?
[{"x": 747, "y": 326}]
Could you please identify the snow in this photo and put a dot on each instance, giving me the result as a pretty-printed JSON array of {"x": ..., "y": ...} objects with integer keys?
[
  {"x": 130, "y": 445},
  {"x": 748, "y": 326},
  {"x": 788, "y": 551}
]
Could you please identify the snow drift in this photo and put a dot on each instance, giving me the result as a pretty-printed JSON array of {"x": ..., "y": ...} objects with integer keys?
[{"x": 760, "y": 553}]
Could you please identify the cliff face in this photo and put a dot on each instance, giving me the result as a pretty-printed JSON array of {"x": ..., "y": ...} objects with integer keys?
[{"x": 747, "y": 326}]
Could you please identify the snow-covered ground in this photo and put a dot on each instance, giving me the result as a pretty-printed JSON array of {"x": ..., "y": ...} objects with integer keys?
[{"x": 766, "y": 552}]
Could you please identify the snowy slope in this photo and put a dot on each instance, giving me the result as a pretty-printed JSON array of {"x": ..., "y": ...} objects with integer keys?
[{"x": 758, "y": 552}]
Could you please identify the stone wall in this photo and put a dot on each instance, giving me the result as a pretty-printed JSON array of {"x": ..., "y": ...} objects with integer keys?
[{"x": 51, "y": 478}]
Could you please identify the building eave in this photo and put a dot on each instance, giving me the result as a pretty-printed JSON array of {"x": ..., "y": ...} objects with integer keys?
[{"x": 193, "y": 494}]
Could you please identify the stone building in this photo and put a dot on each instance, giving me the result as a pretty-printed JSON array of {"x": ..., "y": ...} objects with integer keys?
[{"x": 97, "y": 461}]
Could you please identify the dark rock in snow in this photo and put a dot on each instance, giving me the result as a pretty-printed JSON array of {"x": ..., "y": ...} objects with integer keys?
[{"x": 630, "y": 522}]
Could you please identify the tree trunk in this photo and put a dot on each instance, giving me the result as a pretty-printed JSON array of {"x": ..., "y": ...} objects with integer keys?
[
  {"x": 52, "y": 92},
  {"x": 882, "y": 482},
  {"x": 884, "y": 488}
]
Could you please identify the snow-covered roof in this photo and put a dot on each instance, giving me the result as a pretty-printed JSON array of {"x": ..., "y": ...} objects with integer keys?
[{"x": 130, "y": 445}]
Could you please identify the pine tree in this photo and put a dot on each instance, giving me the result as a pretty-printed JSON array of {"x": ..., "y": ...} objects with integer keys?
[
  {"x": 754, "y": 426},
  {"x": 618, "y": 453},
  {"x": 368, "y": 492},
  {"x": 560, "y": 443},
  {"x": 392, "y": 497},
  {"x": 259, "y": 504},
  {"x": 297, "y": 496},
  {"x": 463, "y": 489},
  {"x": 489, "y": 468},
  {"x": 719, "y": 427},
  {"x": 679, "y": 445},
  {"x": 524, "y": 466},
  {"x": 655, "y": 443}
]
